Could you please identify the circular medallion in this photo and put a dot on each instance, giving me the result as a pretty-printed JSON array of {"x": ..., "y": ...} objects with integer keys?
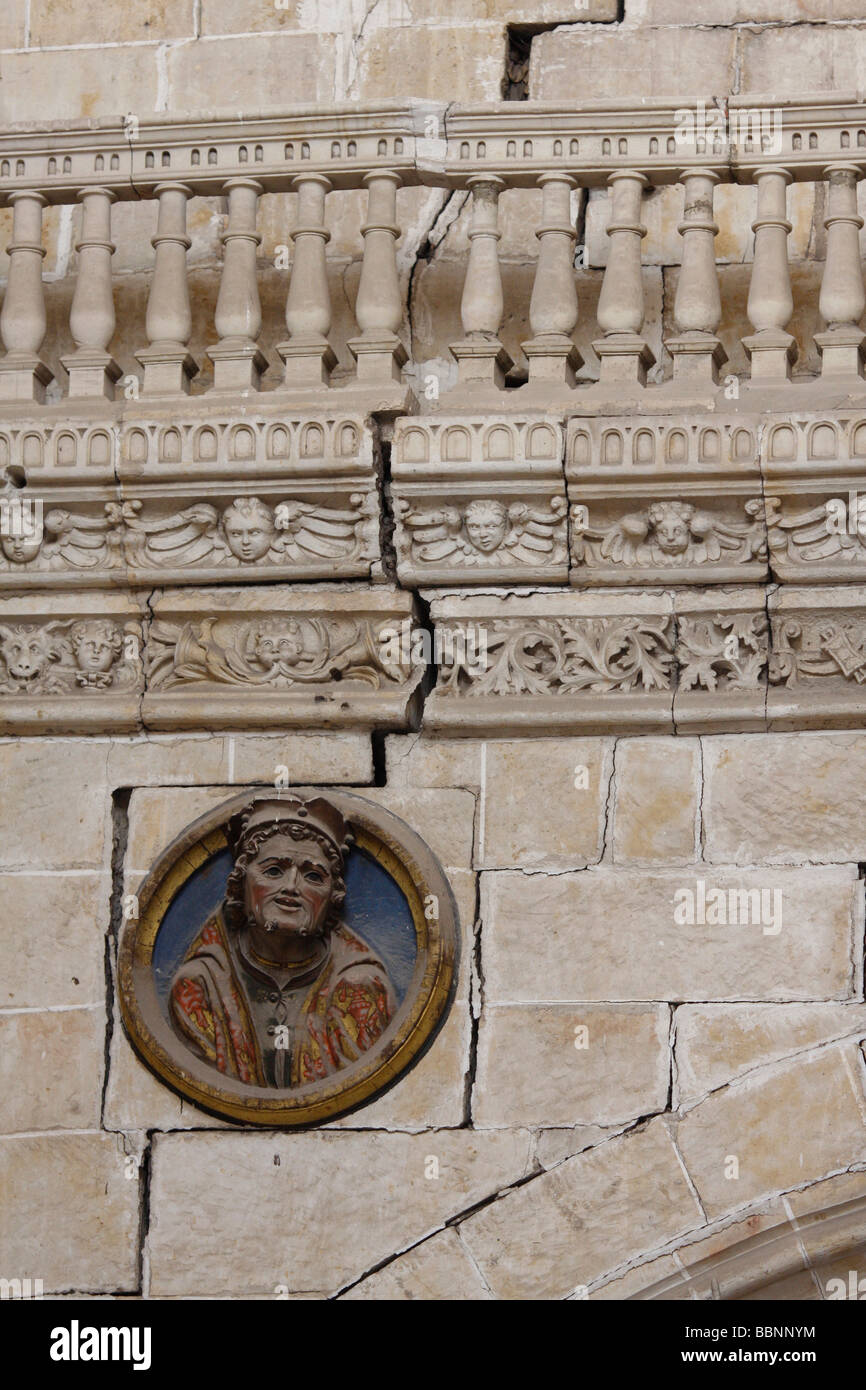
[{"x": 293, "y": 954}]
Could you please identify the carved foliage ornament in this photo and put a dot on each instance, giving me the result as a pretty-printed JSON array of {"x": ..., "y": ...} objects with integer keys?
[{"x": 288, "y": 957}]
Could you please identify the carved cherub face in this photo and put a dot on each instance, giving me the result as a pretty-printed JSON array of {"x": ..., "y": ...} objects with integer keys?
[
  {"x": 288, "y": 886},
  {"x": 96, "y": 645},
  {"x": 669, "y": 523},
  {"x": 279, "y": 644},
  {"x": 486, "y": 524},
  {"x": 26, "y": 654},
  {"x": 248, "y": 526},
  {"x": 20, "y": 549}
]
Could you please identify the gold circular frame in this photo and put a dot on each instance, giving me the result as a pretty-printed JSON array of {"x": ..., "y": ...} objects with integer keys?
[{"x": 414, "y": 868}]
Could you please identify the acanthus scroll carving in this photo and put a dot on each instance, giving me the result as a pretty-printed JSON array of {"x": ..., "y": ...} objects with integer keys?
[{"x": 727, "y": 651}]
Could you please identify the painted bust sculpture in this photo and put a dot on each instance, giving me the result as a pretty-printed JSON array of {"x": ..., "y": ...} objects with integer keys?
[{"x": 275, "y": 990}]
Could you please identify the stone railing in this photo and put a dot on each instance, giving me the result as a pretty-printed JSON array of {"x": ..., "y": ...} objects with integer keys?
[
  {"x": 483, "y": 149},
  {"x": 646, "y": 539}
]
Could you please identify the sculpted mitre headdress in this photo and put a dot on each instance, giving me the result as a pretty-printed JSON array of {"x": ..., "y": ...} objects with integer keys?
[{"x": 314, "y": 814}]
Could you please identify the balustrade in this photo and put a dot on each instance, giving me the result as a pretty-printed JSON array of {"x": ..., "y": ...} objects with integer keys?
[{"x": 488, "y": 152}]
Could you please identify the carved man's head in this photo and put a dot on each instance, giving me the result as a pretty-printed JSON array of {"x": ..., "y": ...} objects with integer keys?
[
  {"x": 288, "y": 873},
  {"x": 670, "y": 523},
  {"x": 249, "y": 528},
  {"x": 486, "y": 524},
  {"x": 96, "y": 643}
]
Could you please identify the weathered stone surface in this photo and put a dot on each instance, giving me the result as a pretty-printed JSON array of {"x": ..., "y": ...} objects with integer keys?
[
  {"x": 642, "y": 1277},
  {"x": 716, "y": 1043},
  {"x": 438, "y": 1269},
  {"x": 655, "y": 801},
  {"x": 156, "y": 817},
  {"x": 45, "y": 85},
  {"x": 334, "y": 757},
  {"x": 13, "y": 24},
  {"x": 136, "y": 1100},
  {"x": 58, "y": 816},
  {"x": 798, "y": 1123},
  {"x": 464, "y": 60},
  {"x": 612, "y": 936},
  {"x": 277, "y": 1235},
  {"x": 570, "y": 1064},
  {"x": 70, "y": 1211},
  {"x": 647, "y": 63},
  {"x": 58, "y": 920},
  {"x": 775, "y": 799},
  {"x": 572, "y": 1225},
  {"x": 267, "y": 64},
  {"x": 61, "y": 1056},
  {"x": 723, "y": 12},
  {"x": 443, "y": 762},
  {"x": 54, "y": 23},
  {"x": 569, "y": 778},
  {"x": 819, "y": 58},
  {"x": 444, "y": 818},
  {"x": 154, "y": 760}
]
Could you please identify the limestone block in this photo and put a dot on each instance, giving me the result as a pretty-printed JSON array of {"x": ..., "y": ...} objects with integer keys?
[
  {"x": 631, "y": 1284},
  {"x": 430, "y": 62},
  {"x": 612, "y": 936},
  {"x": 59, "y": 919},
  {"x": 655, "y": 801},
  {"x": 570, "y": 1064},
  {"x": 240, "y": 17},
  {"x": 647, "y": 63},
  {"x": 56, "y": 817},
  {"x": 744, "y": 1258},
  {"x": 158, "y": 760},
  {"x": 797, "y": 1123},
  {"x": 776, "y": 799},
  {"x": 156, "y": 817},
  {"x": 55, "y": 23},
  {"x": 444, "y": 818},
  {"x": 334, "y": 757},
  {"x": 47, "y": 85},
  {"x": 70, "y": 1211},
  {"x": 771, "y": 1217},
  {"x": 373, "y": 1185},
  {"x": 554, "y": 1145},
  {"x": 576, "y": 1223},
  {"x": 807, "y": 58},
  {"x": 268, "y": 65},
  {"x": 723, "y": 12},
  {"x": 60, "y": 1053},
  {"x": 13, "y": 26},
  {"x": 544, "y": 803},
  {"x": 439, "y": 1269},
  {"x": 417, "y": 761},
  {"x": 717, "y": 1043},
  {"x": 509, "y": 11}
]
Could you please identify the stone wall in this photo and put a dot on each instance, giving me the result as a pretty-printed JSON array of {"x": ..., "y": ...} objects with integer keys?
[{"x": 616, "y": 1098}]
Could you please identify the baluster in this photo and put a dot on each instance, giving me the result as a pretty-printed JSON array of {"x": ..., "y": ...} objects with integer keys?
[
  {"x": 624, "y": 354},
  {"x": 308, "y": 355},
  {"x": 23, "y": 376},
  {"x": 696, "y": 351},
  {"x": 771, "y": 350},
  {"x": 378, "y": 309},
  {"x": 92, "y": 370},
  {"x": 167, "y": 363},
  {"x": 237, "y": 358},
  {"x": 552, "y": 356},
  {"x": 842, "y": 299},
  {"x": 481, "y": 358}
]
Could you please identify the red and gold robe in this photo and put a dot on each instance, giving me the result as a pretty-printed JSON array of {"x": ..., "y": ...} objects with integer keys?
[{"x": 346, "y": 1008}]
